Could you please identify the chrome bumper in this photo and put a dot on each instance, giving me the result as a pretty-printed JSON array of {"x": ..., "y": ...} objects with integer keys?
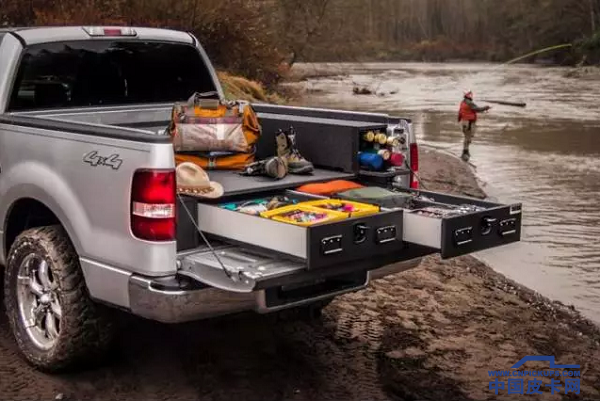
[{"x": 178, "y": 306}]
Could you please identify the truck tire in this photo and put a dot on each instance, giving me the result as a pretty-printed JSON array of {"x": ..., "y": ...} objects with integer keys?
[{"x": 55, "y": 323}]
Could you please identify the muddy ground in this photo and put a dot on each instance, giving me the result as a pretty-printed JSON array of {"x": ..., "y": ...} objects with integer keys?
[{"x": 428, "y": 334}]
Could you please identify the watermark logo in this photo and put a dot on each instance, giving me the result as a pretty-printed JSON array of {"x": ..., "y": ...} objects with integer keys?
[{"x": 531, "y": 381}]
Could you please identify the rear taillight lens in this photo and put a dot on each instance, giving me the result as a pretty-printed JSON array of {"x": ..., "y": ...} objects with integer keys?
[
  {"x": 414, "y": 166},
  {"x": 153, "y": 205}
]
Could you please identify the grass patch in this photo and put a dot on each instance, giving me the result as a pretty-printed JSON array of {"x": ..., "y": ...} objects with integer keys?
[{"x": 240, "y": 88}]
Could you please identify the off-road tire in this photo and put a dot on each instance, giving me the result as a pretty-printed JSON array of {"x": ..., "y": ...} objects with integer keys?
[{"x": 86, "y": 331}]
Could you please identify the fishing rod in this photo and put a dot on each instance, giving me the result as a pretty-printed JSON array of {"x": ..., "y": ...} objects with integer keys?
[
  {"x": 547, "y": 49},
  {"x": 514, "y": 60},
  {"x": 506, "y": 103}
]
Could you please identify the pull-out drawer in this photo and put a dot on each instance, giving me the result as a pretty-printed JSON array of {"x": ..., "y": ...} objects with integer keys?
[
  {"x": 485, "y": 226},
  {"x": 317, "y": 246}
]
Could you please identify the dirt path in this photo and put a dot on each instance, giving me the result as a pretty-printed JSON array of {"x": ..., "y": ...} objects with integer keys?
[{"x": 428, "y": 334}]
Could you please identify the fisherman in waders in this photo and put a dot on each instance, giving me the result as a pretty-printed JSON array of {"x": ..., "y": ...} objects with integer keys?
[{"x": 467, "y": 117}]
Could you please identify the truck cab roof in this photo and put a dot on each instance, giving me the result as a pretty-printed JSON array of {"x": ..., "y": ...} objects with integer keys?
[{"x": 47, "y": 34}]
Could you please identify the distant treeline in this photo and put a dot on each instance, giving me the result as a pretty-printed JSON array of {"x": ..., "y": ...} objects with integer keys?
[
  {"x": 261, "y": 38},
  {"x": 438, "y": 30}
]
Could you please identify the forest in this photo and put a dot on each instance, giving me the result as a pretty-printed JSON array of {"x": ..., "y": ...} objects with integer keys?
[{"x": 260, "y": 39}]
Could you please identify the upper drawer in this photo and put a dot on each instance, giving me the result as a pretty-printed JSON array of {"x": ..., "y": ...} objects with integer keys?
[{"x": 320, "y": 245}]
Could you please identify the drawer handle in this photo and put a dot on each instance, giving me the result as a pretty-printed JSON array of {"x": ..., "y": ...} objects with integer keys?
[
  {"x": 360, "y": 233},
  {"x": 487, "y": 224}
]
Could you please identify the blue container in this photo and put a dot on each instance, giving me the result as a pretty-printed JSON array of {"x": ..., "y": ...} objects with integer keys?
[{"x": 371, "y": 161}]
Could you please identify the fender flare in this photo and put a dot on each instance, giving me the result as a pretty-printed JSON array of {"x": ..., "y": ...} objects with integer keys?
[{"x": 35, "y": 181}]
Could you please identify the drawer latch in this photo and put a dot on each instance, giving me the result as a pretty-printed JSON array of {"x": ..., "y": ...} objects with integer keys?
[
  {"x": 507, "y": 227},
  {"x": 331, "y": 245},
  {"x": 463, "y": 236},
  {"x": 386, "y": 234}
]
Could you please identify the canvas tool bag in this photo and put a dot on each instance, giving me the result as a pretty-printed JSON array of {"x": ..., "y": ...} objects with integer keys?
[
  {"x": 214, "y": 134},
  {"x": 206, "y": 125}
]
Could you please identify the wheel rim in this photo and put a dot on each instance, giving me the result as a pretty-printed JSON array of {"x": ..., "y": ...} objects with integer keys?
[{"x": 39, "y": 305}]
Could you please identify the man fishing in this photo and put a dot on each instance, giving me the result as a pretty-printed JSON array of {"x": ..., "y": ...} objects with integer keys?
[{"x": 467, "y": 117}]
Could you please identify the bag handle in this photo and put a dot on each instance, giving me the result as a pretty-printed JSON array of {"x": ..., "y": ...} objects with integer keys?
[{"x": 197, "y": 95}]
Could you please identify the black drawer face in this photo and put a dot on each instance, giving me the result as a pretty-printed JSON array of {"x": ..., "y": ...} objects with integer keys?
[
  {"x": 481, "y": 230},
  {"x": 355, "y": 239}
]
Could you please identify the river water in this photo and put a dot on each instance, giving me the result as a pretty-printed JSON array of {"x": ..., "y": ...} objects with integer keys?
[{"x": 546, "y": 155}]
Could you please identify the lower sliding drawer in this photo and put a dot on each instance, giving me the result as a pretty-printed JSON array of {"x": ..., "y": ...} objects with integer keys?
[
  {"x": 459, "y": 225},
  {"x": 320, "y": 245}
]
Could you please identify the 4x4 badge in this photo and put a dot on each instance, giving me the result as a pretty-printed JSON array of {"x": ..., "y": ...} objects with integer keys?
[{"x": 93, "y": 159}]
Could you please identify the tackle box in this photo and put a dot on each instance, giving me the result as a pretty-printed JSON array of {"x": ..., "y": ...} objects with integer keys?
[
  {"x": 349, "y": 208},
  {"x": 303, "y": 215}
]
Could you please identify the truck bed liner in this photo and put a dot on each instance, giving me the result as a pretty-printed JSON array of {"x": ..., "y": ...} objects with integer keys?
[{"x": 236, "y": 184}]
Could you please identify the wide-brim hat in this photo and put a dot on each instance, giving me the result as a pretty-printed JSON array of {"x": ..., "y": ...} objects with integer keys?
[{"x": 192, "y": 180}]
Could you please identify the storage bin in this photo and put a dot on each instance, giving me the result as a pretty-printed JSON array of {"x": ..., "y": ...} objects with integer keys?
[
  {"x": 356, "y": 209},
  {"x": 293, "y": 214}
]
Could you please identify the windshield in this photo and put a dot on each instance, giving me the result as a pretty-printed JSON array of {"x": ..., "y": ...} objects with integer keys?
[{"x": 103, "y": 72}]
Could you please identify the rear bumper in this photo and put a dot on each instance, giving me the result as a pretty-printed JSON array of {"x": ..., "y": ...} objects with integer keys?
[{"x": 174, "y": 305}]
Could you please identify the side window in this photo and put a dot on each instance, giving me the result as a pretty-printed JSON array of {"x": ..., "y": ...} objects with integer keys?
[{"x": 42, "y": 80}]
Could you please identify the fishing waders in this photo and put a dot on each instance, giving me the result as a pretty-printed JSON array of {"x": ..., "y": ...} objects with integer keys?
[{"x": 468, "y": 129}]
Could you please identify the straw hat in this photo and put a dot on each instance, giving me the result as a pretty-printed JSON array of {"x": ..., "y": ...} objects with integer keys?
[{"x": 192, "y": 180}]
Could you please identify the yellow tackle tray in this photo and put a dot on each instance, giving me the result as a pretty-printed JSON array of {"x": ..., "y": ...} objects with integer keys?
[
  {"x": 360, "y": 209},
  {"x": 283, "y": 214}
]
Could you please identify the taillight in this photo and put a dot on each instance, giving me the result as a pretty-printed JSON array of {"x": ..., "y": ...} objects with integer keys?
[
  {"x": 153, "y": 205},
  {"x": 414, "y": 166}
]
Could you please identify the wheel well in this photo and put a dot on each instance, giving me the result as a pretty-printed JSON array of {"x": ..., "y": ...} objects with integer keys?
[{"x": 25, "y": 214}]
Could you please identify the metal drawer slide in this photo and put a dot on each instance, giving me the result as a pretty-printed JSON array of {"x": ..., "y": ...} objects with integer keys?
[{"x": 248, "y": 268}]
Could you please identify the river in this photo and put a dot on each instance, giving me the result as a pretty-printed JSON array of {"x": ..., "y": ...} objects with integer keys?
[{"x": 546, "y": 155}]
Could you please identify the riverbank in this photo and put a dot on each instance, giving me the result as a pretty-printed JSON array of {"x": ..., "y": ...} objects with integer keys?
[
  {"x": 428, "y": 334},
  {"x": 456, "y": 320}
]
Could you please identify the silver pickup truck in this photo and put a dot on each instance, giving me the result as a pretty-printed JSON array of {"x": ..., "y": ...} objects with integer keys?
[{"x": 90, "y": 219}]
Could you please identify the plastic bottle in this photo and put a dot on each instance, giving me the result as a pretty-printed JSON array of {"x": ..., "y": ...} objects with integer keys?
[
  {"x": 393, "y": 141},
  {"x": 369, "y": 136},
  {"x": 381, "y": 138},
  {"x": 397, "y": 159},
  {"x": 384, "y": 153}
]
